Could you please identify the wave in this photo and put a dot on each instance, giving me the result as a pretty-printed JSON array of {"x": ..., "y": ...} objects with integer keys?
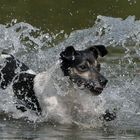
[{"x": 121, "y": 66}]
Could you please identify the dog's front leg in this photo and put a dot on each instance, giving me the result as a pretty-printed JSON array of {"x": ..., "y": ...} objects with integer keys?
[{"x": 109, "y": 115}]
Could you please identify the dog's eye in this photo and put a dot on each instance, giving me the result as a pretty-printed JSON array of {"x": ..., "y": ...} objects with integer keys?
[{"x": 83, "y": 68}]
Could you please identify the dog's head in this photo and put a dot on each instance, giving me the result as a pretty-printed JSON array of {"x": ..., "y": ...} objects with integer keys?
[{"x": 83, "y": 67}]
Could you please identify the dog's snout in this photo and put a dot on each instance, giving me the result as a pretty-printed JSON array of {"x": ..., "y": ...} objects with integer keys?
[{"x": 103, "y": 81}]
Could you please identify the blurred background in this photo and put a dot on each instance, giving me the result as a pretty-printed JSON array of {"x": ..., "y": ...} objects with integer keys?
[{"x": 68, "y": 15}]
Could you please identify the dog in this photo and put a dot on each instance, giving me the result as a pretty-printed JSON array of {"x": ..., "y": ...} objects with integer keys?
[{"x": 80, "y": 66}]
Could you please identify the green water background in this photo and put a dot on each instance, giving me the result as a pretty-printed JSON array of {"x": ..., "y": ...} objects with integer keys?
[{"x": 56, "y": 15}]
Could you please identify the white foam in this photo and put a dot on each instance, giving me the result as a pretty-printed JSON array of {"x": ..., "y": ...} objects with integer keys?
[{"x": 122, "y": 91}]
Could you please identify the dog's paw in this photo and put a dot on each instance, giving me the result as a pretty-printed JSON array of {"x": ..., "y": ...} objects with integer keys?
[{"x": 109, "y": 116}]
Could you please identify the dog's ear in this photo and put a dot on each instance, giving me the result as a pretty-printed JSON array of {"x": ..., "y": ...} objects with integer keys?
[
  {"x": 98, "y": 50},
  {"x": 68, "y": 53}
]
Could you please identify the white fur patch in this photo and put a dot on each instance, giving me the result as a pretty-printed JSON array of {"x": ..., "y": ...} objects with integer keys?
[
  {"x": 30, "y": 71},
  {"x": 40, "y": 81},
  {"x": 52, "y": 102},
  {"x": 5, "y": 56}
]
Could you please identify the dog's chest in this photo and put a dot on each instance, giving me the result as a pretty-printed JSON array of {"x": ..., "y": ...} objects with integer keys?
[{"x": 51, "y": 100}]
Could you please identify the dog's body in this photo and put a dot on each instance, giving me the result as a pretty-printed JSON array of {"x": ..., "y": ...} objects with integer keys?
[
  {"x": 16, "y": 74},
  {"x": 81, "y": 67}
]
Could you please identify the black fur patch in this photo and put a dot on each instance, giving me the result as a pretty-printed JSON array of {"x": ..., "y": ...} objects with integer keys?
[
  {"x": 9, "y": 69},
  {"x": 12, "y": 71},
  {"x": 24, "y": 93}
]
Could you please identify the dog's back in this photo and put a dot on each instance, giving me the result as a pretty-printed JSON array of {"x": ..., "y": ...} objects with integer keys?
[
  {"x": 16, "y": 74},
  {"x": 9, "y": 68}
]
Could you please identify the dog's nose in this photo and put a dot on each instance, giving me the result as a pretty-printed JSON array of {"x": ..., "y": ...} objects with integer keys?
[{"x": 103, "y": 81}]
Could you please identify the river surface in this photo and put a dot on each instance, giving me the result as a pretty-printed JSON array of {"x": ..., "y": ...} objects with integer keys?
[{"x": 37, "y": 31}]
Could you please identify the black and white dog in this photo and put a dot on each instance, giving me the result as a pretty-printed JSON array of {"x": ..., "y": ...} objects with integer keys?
[{"x": 82, "y": 68}]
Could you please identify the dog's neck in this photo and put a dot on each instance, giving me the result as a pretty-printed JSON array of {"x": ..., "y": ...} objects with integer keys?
[{"x": 45, "y": 81}]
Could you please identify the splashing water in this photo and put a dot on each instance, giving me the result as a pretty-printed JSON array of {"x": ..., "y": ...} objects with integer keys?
[{"x": 121, "y": 67}]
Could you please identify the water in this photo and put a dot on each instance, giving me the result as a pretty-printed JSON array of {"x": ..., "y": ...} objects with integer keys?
[
  {"x": 16, "y": 130},
  {"x": 40, "y": 49}
]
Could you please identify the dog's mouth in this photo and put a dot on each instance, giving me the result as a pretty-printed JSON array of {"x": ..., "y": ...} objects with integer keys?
[
  {"x": 96, "y": 91},
  {"x": 83, "y": 84}
]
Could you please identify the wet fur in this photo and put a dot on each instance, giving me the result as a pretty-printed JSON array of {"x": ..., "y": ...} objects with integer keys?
[{"x": 24, "y": 84}]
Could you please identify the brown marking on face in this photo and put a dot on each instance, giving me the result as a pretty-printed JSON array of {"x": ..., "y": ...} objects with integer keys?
[{"x": 87, "y": 72}]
